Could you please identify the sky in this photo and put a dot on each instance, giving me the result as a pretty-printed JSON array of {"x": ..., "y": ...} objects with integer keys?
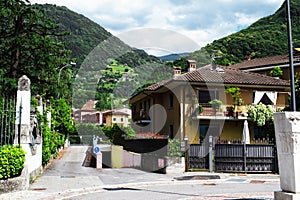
[{"x": 199, "y": 21}]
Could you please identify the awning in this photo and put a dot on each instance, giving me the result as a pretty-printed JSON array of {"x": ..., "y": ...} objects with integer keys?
[{"x": 259, "y": 94}]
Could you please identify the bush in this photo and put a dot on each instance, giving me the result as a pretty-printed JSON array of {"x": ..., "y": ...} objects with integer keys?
[
  {"x": 61, "y": 127},
  {"x": 174, "y": 149},
  {"x": 115, "y": 133},
  {"x": 12, "y": 161},
  {"x": 87, "y": 131}
]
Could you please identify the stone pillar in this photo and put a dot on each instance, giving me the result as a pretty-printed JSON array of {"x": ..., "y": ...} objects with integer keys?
[
  {"x": 30, "y": 138},
  {"x": 287, "y": 132},
  {"x": 23, "y": 111}
]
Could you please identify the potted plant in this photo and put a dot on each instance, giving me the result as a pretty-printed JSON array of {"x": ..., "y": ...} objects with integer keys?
[
  {"x": 230, "y": 111},
  {"x": 216, "y": 104},
  {"x": 236, "y": 97},
  {"x": 200, "y": 107}
]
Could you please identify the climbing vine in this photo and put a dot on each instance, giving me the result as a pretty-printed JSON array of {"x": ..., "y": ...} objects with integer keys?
[{"x": 261, "y": 114}]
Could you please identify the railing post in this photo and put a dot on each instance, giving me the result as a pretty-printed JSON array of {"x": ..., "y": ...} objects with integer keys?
[
  {"x": 245, "y": 156},
  {"x": 210, "y": 154}
]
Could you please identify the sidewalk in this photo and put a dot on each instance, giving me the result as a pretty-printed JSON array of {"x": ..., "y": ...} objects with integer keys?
[{"x": 67, "y": 176}]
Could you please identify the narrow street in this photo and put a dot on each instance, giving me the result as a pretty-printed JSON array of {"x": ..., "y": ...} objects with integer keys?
[{"x": 68, "y": 179}]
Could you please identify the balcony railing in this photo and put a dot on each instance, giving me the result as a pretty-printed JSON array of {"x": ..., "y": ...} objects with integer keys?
[
  {"x": 224, "y": 110},
  {"x": 141, "y": 115}
]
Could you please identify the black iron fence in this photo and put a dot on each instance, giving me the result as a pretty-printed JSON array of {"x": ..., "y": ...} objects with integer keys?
[
  {"x": 7, "y": 120},
  {"x": 245, "y": 158},
  {"x": 198, "y": 156},
  {"x": 260, "y": 158}
]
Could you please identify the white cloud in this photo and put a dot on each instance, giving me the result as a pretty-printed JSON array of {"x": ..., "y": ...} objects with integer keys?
[{"x": 202, "y": 21}]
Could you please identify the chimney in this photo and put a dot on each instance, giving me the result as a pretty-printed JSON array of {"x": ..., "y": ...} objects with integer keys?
[
  {"x": 247, "y": 58},
  {"x": 192, "y": 65},
  {"x": 176, "y": 71}
]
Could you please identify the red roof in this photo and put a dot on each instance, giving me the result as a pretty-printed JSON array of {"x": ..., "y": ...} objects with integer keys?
[
  {"x": 90, "y": 105},
  {"x": 267, "y": 61},
  {"x": 226, "y": 75}
]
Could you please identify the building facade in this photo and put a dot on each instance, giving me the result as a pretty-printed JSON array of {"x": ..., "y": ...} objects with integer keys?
[{"x": 182, "y": 107}]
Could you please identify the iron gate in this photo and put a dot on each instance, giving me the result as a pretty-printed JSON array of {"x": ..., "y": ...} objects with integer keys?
[
  {"x": 245, "y": 158},
  {"x": 7, "y": 120},
  {"x": 198, "y": 156}
]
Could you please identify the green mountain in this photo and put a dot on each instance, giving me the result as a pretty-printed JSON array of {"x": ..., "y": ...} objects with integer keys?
[
  {"x": 266, "y": 37},
  {"x": 85, "y": 35}
]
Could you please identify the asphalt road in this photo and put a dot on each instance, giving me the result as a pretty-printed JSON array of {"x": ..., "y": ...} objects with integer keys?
[
  {"x": 68, "y": 179},
  {"x": 237, "y": 188}
]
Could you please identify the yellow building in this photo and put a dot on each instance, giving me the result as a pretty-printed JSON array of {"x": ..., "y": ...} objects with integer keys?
[
  {"x": 171, "y": 107},
  {"x": 117, "y": 116}
]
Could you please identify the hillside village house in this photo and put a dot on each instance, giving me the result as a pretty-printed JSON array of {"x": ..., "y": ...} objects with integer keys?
[
  {"x": 171, "y": 107},
  {"x": 117, "y": 116},
  {"x": 265, "y": 65},
  {"x": 88, "y": 114}
]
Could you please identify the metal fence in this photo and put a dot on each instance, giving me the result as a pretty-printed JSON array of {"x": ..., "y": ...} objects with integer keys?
[
  {"x": 260, "y": 158},
  {"x": 198, "y": 156},
  {"x": 245, "y": 158},
  {"x": 7, "y": 120}
]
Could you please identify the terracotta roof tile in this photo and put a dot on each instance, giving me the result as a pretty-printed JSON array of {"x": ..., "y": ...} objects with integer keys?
[
  {"x": 267, "y": 61},
  {"x": 90, "y": 105},
  {"x": 226, "y": 75}
]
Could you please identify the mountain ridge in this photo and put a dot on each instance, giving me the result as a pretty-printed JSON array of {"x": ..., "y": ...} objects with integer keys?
[{"x": 265, "y": 37}]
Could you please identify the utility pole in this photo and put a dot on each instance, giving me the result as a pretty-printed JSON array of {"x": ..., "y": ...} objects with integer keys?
[{"x": 290, "y": 43}]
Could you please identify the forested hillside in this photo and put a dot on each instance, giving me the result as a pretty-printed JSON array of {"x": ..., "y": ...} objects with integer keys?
[
  {"x": 266, "y": 37},
  {"x": 85, "y": 35}
]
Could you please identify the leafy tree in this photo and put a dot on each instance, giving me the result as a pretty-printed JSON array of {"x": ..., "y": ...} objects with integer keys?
[
  {"x": 29, "y": 45},
  {"x": 182, "y": 63},
  {"x": 236, "y": 96},
  {"x": 276, "y": 72},
  {"x": 61, "y": 118},
  {"x": 105, "y": 101}
]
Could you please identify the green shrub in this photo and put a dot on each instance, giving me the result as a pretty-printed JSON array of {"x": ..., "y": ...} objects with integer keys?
[
  {"x": 174, "y": 149},
  {"x": 12, "y": 159},
  {"x": 61, "y": 127},
  {"x": 88, "y": 130}
]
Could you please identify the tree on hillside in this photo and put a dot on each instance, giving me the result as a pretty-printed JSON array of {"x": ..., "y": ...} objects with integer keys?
[{"x": 29, "y": 46}]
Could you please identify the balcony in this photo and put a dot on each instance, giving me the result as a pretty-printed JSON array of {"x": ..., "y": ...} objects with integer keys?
[
  {"x": 141, "y": 116},
  {"x": 224, "y": 112}
]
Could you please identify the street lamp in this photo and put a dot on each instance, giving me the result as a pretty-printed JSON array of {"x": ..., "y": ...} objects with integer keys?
[
  {"x": 289, "y": 24},
  {"x": 58, "y": 79}
]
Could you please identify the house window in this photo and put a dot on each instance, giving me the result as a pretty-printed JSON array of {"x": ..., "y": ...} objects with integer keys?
[
  {"x": 202, "y": 131},
  {"x": 265, "y": 100},
  {"x": 211, "y": 129},
  {"x": 171, "y": 131},
  {"x": 122, "y": 119},
  {"x": 114, "y": 119},
  {"x": 206, "y": 96},
  {"x": 171, "y": 100}
]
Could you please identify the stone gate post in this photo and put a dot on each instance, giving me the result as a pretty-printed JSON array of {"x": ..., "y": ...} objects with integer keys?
[
  {"x": 29, "y": 138},
  {"x": 287, "y": 132}
]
